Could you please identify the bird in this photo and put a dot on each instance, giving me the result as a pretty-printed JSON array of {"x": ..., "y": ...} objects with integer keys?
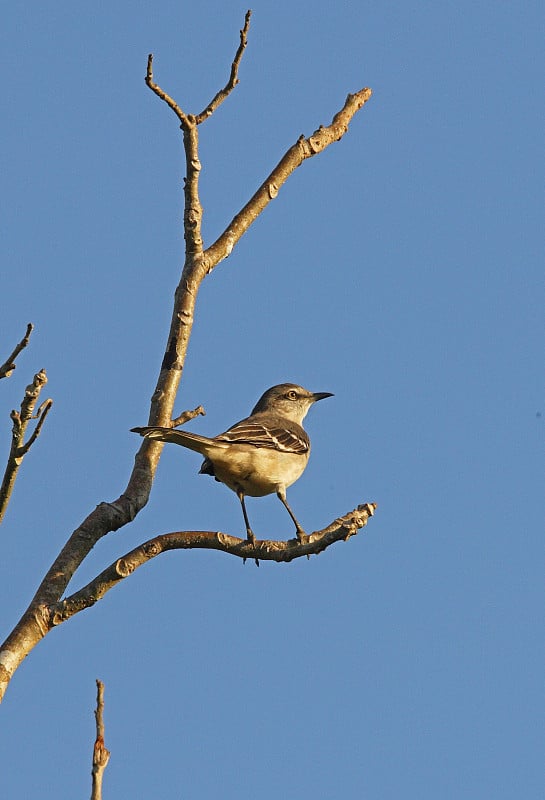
[{"x": 262, "y": 454}]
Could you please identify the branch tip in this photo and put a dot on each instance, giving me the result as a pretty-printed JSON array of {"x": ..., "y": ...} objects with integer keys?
[
  {"x": 303, "y": 148},
  {"x": 233, "y": 77},
  {"x": 6, "y": 369},
  {"x": 184, "y": 120}
]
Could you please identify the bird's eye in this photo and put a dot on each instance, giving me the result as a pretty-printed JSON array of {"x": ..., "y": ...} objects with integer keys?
[{"x": 292, "y": 395}]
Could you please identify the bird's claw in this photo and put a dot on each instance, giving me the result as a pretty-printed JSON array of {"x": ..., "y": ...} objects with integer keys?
[{"x": 250, "y": 536}]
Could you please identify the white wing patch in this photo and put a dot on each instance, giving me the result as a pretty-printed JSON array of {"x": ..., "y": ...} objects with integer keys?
[{"x": 277, "y": 437}]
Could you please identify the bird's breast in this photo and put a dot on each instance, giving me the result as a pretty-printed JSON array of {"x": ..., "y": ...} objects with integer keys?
[{"x": 257, "y": 470}]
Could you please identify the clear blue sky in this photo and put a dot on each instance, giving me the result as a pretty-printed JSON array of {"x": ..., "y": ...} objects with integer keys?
[{"x": 402, "y": 270}]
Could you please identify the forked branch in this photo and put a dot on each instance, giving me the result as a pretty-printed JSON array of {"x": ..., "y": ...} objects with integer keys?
[
  {"x": 188, "y": 120},
  {"x": 19, "y": 448}
]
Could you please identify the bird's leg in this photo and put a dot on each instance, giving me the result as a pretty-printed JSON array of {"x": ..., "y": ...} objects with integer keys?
[
  {"x": 249, "y": 532},
  {"x": 301, "y": 535}
]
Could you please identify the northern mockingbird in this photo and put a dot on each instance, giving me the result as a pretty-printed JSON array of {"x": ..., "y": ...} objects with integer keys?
[{"x": 262, "y": 454}]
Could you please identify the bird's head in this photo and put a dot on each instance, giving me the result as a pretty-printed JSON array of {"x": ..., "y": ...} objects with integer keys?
[{"x": 289, "y": 400}]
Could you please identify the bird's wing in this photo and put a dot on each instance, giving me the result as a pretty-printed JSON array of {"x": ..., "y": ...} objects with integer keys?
[{"x": 285, "y": 437}]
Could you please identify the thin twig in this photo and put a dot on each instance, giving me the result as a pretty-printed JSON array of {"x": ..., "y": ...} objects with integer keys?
[
  {"x": 233, "y": 77},
  {"x": 101, "y": 755},
  {"x": 19, "y": 448},
  {"x": 9, "y": 364},
  {"x": 187, "y": 416},
  {"x": 40, "y": 415},
  {"x": 185, "y": 120}
]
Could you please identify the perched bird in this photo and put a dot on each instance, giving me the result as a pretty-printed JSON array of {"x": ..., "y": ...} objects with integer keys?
[{"x": 262, "y": 454}]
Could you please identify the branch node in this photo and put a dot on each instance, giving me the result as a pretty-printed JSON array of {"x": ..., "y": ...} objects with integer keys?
[
  {"x": 123, "y": 568},
  {"x": 151, "y": 549},
  {"x": 57, "y": 618},
  {"x": 16, "y": 419},
  {"x": 229, "y": 244}
]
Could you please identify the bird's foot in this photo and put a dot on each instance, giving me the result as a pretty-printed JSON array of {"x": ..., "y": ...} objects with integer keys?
[
  {"x": 302, "y": 536},
  {"x": 250, "y": 536}
]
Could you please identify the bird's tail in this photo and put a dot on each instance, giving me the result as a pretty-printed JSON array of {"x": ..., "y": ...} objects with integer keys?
[{"x": 193, "y": 441}]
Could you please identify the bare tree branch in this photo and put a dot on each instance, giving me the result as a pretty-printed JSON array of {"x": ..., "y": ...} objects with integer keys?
[
  {"x": 233, "y": 78},
  {"x": 301, "y": 150},
  {"x": 6, "y": 369},
  {"x": 36, "y": 621},
  {"x": 341, "y": 529},
  {"x": 19, "y": 448},
  {"x": 186, "y": 416},
  {"x": 101, "y": 755},
  {"x": 110, "y": 516},
  {"x": 184, "y": 119},
  {"x": 40, "y": 415}
]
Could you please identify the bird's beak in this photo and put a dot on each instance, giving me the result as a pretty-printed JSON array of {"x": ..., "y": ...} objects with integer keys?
[{"x": 321, "y": 396}]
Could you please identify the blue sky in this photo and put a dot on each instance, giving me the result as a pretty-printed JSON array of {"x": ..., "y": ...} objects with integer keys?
[{"x": 402, "y": 270}]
